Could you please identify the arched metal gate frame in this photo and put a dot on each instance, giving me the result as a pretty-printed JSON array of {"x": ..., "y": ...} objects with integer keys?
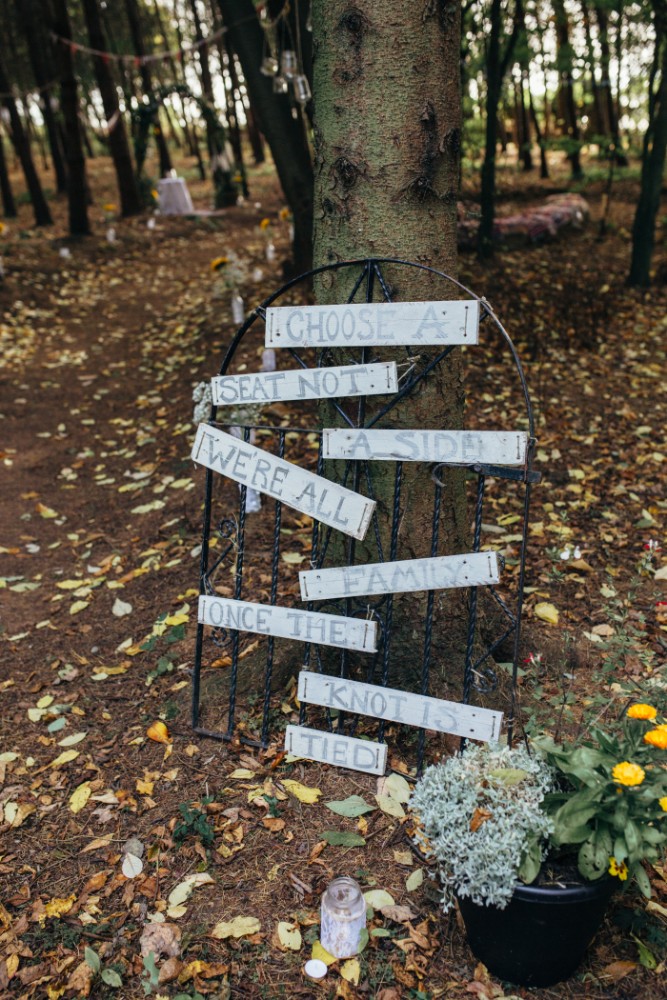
[{"x": 225, "y": 537}]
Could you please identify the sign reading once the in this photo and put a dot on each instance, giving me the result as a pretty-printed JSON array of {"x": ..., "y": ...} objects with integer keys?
[
  {"x": 434, "y": 573},
  {"x": 288, "y": 623},
  {"x": 399, "y": 706},
  {"x": 307, "y": 383},
  {"x": 448, "y": 447},
  {"x": 334, "y": 748},
  {"x": 311, "y": 494},
  {"x": 388, "y": 324}
]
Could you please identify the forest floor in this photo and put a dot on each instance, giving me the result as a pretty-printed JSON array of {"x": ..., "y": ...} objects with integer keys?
[{"x": 101, "y": 345}]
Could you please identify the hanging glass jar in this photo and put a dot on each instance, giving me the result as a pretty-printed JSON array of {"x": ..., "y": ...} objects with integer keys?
[
  {"x": 270, "y": 252},
  {"x": 288, "y": 63},
  {"x": 343, "y": 917},
  {"x": 302, "y": 92},
  {"x": 279, "y": 85},
  {"x": 269, "y": 66}
]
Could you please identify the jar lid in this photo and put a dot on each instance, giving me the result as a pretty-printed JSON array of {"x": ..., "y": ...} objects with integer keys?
[{"x": 343, "y": 894}]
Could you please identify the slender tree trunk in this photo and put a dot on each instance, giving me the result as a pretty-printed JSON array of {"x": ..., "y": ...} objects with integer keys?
[
  {"x": 196, "y": 151},
  {"x": 544, "y": 166},
  {"x": 608, "y": 108},
  {"x": 566, "y": 92},
  {"x": 8, "y": 203},
  {"x": 387, "y": 123},
  {"x": 525, "y": 147},
  {"x": 31, "y": 17},
  {"x": 22, "y": 147},
  {"x": 234, "y": 127},
  {"x": 653, "y": 158},
  {"x": 285, "y": 135},
  {"x": 496, "y": 65},
  {"x": 119, "y": 146},
  {"x": 254, "y": 135},
  {"x": 134, "y": 21},
  {"x": 598, "y": 106},
  {"x": 77, "y": 187}
]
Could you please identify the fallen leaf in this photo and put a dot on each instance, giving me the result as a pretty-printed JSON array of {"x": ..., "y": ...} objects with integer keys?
[
  {"x": 65, "y": 758},
  {"x": 78, "y": 606},
  {"x": 390, "y": 806},
  {"x": 351, "y": 807},
  {"x": 395, "y": 786},
  {"x": 58, "y": 906},
  {"x": 400, "y": 914},
  {"x": 343, "y": 838},
  {"x": 121, "y": 608},
  {"x": 184, "y": 889},
  {"x": 377, "y": 898},
  {"x": 79, "y": 797},
  {"x": 16, "y": 813},
  {"x": 351, "y": 970},
  {"x": 161, "y": 939},
  {"x": 302, "y": 792},
  {"x": 414, "y": 880},
  {"x": 132, "y": 866},
  {"x": 237, "y": 927},
  {"x": 158, "y": 732},
  {"x": 618, "y": 970},
  {"x": 322, "y": 954},
  {"x": 289, "y": 935},
  {"x": 547, "y": 612}
]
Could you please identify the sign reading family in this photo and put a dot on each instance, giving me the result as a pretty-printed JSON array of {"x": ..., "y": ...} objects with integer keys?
[{"x": 373, "y": 324}]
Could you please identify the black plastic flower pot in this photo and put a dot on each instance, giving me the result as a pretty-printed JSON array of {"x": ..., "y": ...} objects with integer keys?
[{"x": 542, "y": 935}]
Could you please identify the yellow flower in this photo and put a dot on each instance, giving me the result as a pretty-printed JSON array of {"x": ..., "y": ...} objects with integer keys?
[
  {"x": 2, "y": 228},
  {"x": 656, "y": 738},
  {"x": 284, "y": 214},
  {"x": 110, "y": 207},
  {"x": 219, "y": 262},
  {"x": 154, "y": 195},
  {"x": 265, "y": 223},
  {"x": 619, "y": 870},
  {"x": 642, "y": 711},
  {"x": 663, "y": 803},
  {"x": 628, "y": 774}
]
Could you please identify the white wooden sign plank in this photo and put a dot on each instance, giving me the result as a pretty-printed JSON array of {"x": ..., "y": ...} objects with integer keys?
[
  {"x": 399, "y": 706},
  {"x": 387, "y": 324},
  {"x": 313, "y": 495},
  {"x": 449, "y": 447},
  {"x": 307, "y": 383},
  {"x": 334, "y": 748},
  {"x": 288, "y": 623},
  {"x": 439, "y": 572}
]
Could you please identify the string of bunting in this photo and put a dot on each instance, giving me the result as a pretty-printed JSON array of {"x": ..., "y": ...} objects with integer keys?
[{"x": 140, "y": 60}]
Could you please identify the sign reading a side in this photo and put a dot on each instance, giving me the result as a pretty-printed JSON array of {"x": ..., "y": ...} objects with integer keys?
[
  {"x": 448, "y": 447},
  {"x": 376, "y": 324}
]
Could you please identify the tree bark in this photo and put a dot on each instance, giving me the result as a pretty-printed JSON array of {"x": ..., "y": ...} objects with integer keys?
[
  {"x": 285, "y": 135},
  {"x": 22, "y": 147},
  {"x": 77, "y": 186},
  {"x": 566, "y": 91},
  {"x": 8, "y": 203},
  {"x": 387, "y": 123},
  {"x": 119, "y": 146},
  {"x": 653, "y": 158}
]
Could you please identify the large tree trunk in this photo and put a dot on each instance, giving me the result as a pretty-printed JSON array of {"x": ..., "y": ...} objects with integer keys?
[
  {"x": 653, "y": 158},
  {"x": 77, "y": 187},
  {"x": 285, "y": 134},
  {"x": 119, "y": 146},
  {"x": 22, "y": 147},
  {"x": 387, "y": 122}
]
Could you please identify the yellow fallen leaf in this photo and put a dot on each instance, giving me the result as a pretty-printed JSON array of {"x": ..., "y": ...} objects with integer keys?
[
  {"x": 547, "y": 612},
  {"x": 58, "y": 906},
  {"x": 289, "y": 935},
  {"x": 71, "y": 584},
  {"x": 302, "y": 792},
  {"x": 45, "y": 511},
  {"x": 242, "y": 773},
  {"x": 390, "y": 806},
  {"x": 236, "y": 928},
  {"x": 145, "y": 787},
  {"x": 322, "y": 954},
  {"x": 351, "y": 970},
  {"x": 17, "y": 812},
  {"x": 45, "y": 701},
  {"x": 180, "y": 618},
  {"x": 158, "y": 732},
  {"x": 79, "y": 797},
  {"x": 64, "y": 758},
  {"x": 78, "y": 606},
  {"x": 12, "y": 964}
]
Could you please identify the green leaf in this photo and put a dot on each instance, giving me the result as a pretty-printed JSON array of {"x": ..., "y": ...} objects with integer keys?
[
  {"x": 646, "y": 957},
  {"x": 363, "y": 940},
  {"x": 92, "y": 959},
  {"x": 531, "y": 862},
  {"x": 509, "y": 775},
  {"x": 380, "y": 932},
  {"x": 351, "y": 807},
  {"x": 111, "y": 978},
  {"x": 343, "y": 838},
  {"x": 642, "y": 880},
  {"x": 152, "y": 969},
  {"x": 594, "y": 855}
]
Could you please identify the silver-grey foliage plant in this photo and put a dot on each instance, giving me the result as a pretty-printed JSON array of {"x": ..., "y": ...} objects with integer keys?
[{"x": 481, "y": 812}]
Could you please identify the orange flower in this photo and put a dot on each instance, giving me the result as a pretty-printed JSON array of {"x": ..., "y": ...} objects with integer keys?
[
  {"x": 656, "y": 738},
  {"x": 642, "y": 711},
  {"x": 628, "y": 774}
]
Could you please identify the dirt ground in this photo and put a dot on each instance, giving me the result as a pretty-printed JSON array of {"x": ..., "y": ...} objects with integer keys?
[{"x": 101, "y": 345}]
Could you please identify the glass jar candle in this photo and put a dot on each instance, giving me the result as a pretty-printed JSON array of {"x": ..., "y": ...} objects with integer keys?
[{"x": 343, "y": 917}]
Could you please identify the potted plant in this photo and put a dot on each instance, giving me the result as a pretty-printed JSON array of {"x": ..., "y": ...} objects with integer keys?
[{"x": 532, "y": 841}]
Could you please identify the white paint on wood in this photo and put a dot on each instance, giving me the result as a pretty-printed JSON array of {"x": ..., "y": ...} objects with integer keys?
[
  {"x": 305, "y": 383},
  {"x": 399, "y": 706},
  {"x": 388, "y": 324},
  {"x": 328, "y": 502},
  {"x": 472, "y": 569},
  {"x": 334, "y": 748},
  {"x": 288, "y": 623},
  {"x": 449, "y": 447}
]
